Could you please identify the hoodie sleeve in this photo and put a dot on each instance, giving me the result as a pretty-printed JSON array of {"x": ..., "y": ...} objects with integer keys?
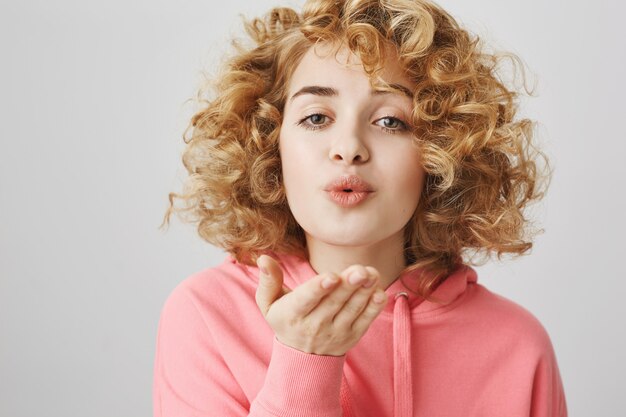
[
  {"x": 192, "y": 379},
  {"x": 548, "y": 395}
]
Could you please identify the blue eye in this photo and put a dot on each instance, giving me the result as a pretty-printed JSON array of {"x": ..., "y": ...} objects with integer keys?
[
  {"x": 391, "y": 124},
  {"x": 317, "y": 119},
  {"x": 313, "y": 121}
]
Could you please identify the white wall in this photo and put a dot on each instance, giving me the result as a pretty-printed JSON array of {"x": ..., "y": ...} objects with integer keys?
[{"x": 93, "y": 109}]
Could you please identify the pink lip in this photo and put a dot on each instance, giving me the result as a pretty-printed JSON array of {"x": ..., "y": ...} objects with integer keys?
[{"x": 348, "y": 190}]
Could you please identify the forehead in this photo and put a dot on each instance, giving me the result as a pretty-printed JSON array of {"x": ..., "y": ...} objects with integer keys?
[{"x": 329, "y": 62}]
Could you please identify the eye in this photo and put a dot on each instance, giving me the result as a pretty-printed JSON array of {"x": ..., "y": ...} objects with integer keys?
[
  {"x": 391, "y": 124},
  {"x": 313, "y": 121},
  {"x": 317, "y": 119}
]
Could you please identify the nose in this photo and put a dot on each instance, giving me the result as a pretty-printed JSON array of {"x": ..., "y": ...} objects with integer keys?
[{"x": 349, "y": 146}]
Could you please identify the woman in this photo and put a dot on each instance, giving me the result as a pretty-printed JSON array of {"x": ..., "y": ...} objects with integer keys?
[{"x": 348, "y": 162}]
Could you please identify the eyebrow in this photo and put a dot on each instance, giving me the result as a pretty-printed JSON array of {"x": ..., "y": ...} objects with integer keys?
[
  {"x": 330, "y": 92},
  {"x": 402, "y": 89}
]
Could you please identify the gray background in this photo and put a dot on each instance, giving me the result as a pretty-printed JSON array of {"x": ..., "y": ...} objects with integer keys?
[{"x": 94, "y": 103}]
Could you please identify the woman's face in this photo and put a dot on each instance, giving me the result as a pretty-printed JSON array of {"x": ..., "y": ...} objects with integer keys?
[{"x": 334, "y": 126}]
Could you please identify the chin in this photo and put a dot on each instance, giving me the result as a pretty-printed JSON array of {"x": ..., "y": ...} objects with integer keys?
[{"x": 337, "y": 238}]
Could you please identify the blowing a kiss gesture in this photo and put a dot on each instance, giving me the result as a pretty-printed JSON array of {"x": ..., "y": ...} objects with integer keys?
[{"x": 327, "y": 315}]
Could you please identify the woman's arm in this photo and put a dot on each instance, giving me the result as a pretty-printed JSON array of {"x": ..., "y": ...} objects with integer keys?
[
  {"x": 191, "y": 378},
  {"x": 548, "y": 397}
]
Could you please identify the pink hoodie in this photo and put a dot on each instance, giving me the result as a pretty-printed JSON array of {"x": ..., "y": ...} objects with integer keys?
[{"x": 479, "y": 355}]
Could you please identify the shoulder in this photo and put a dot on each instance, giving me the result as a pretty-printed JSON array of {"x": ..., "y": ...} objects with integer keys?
[
  {"x": 214, "y": 291},
  {"x": 509, "y": 320}
]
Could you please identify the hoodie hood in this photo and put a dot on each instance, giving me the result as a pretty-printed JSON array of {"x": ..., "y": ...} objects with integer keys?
[{"x": 298, "y": 270}]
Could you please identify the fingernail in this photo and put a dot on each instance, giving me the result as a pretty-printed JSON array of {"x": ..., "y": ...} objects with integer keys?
[
  {"x": 328, "y": 282},
  {"x": 356, "y": 277},
  {"x": 368, "y": 283},
  {"x": 264, "y": 270}
]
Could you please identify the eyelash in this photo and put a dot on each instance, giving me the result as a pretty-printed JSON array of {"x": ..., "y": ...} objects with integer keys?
[{"x": 307, "y": 126}]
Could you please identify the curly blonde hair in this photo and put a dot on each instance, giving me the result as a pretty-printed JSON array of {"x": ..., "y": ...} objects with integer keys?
[{"x": 481, "y": 165}]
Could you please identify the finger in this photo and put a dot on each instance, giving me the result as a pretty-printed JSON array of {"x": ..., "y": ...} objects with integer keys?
[
  {"x": 377, "y": 303},
  {"x": 355, "y": 305},
  {"x": 308, "y": 295},
  {"x": 270, "y": 287},
  {"x": 353, "y": 278},
  {"x": 272, "y": 266}
]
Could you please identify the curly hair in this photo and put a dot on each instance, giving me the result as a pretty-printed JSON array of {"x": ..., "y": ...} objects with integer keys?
[{"x": 482, "y": 168}]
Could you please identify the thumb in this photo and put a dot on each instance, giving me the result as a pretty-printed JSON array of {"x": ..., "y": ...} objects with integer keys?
[{"x": 270, "y": 286}]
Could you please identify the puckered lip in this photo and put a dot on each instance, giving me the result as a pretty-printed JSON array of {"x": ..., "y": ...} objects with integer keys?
[{"x": 349, "y": 183}]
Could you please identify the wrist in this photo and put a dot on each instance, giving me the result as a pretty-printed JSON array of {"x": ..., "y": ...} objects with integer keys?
[{"x": 297, "y": 380}]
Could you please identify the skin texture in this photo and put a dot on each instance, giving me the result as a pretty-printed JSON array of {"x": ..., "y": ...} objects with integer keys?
[{"x": 354, "y": 131}]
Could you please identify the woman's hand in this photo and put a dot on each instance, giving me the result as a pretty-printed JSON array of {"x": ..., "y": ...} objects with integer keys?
[{"x": 327, "y": 315}]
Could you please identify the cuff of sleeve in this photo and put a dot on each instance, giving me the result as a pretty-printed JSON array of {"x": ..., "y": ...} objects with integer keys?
[{"x": 301, "y": 384}]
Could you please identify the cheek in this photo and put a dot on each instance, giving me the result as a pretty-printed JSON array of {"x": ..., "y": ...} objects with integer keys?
[
  {"x": 402, "y": 167},
  {"x": 287, "y": 159},
  {"x": 297, "y": 165},
  {"x": 412, "y": 177},
  {"x": 407, "y": 177},
  {"x": 299, "y": 177}
]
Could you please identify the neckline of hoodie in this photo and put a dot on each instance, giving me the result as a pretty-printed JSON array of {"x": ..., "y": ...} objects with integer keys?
[
  {"x": 438, "y": 311},
  {"x": 387, "y": 315}
]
